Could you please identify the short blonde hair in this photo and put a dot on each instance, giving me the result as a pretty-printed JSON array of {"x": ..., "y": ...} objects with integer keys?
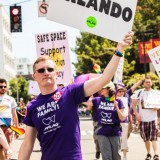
[{"x": 41, "y": 59}]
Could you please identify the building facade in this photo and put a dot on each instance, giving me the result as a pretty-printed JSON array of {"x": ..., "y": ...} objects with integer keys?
[
  {"x": 23, "y": 66},
  {"x": 7, "y": 60}
]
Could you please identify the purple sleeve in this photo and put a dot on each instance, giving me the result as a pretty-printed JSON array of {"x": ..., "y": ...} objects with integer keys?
[
  {"x": 76, "y": 91},
  {"x": 129, "y": 92},
  {"x": 95, "y": 101},
  {"x": 120, "y": 104}
]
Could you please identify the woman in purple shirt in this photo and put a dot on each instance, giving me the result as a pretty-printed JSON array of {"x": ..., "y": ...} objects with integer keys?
[{"x": 110, "y": 113}]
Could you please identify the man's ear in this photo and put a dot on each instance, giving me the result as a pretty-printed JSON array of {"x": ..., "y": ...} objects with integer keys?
[{"x": 33, "y": 76}]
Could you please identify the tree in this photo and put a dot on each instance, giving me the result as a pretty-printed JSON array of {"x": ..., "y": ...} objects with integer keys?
[
  {"x": 19, "y": 85},
  {"x": 135, "y": 77},
  {"x": 91, "y": 49}
]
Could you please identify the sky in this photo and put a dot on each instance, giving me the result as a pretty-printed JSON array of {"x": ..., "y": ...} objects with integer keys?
[{"x": 23, "y": 43}]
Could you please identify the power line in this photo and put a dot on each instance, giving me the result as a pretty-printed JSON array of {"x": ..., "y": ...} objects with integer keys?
[{"x": 18, "y": 3}]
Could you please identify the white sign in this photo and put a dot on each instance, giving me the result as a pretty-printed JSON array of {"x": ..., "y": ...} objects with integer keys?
[
  {"x": 111, "y": 19},
  {"x": 55, "y": 45},
  {"x": 153, "y": 100},
  {"x": 119, "y": 72},
  {"x": 154, "y": 55},
  {"x": 42, "y": 8},
  {"x": 33, "y": 88}
]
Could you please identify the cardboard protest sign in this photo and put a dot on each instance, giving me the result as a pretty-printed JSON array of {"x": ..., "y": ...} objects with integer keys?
[
  {"x": 33, "y": 88},
  {"x": 153, "y": 100},
  {"x": 119, "y": 72},
  {"x": 154, "y": 55},
  {"x": 110, "y": 19},
  {"x": 55, "y": 45}
]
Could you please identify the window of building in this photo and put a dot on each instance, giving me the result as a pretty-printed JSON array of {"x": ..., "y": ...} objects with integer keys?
[{"x": 19, "y": 66}]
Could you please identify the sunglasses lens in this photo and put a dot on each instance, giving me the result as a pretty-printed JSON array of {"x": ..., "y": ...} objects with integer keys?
[
  {"x": 42, "y": 70},
  {"x": 50, "y": 69},
  {"x": 3, "y": 86}
]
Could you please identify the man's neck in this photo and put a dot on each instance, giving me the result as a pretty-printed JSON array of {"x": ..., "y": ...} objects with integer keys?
[
  {"x": 47, "y": 90},
  {"x": 147, "y": 89}
]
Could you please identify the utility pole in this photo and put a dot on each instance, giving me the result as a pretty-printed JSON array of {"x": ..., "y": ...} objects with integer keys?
[
  {"x": 159, "y": 29},
  {"x": 143, "y": 34}
]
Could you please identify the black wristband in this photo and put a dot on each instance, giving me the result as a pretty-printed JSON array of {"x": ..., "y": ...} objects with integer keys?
[{"x": 117, "y": 53}]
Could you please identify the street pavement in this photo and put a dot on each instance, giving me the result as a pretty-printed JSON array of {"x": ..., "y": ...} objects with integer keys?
[{"x": 136, "y": 145}]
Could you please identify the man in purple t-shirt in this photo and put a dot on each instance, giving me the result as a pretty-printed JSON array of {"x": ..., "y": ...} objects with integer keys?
[{"x": 53, "y": 115}]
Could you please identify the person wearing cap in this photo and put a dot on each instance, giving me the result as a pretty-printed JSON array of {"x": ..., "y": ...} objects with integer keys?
[
  {"x": 121, "y": 95},
  {"x": 124, "y": 94},
  {"x": 110, "y": 112}
]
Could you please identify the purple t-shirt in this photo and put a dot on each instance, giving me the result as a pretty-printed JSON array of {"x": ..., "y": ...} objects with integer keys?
[
  {"x": 55, "y": 116},
  {"x": 108, "y": 119}
]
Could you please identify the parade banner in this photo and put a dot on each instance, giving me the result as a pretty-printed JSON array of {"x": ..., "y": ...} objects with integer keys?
[
  {"x": 119, "y": 72},
  {"x": 155, "y": 42},
  {"x": 154, "y": 55},
  {"x": 148, "y": 46},
  {"x": 111, "y": 19},
  {"x": 55, "y": 45}
]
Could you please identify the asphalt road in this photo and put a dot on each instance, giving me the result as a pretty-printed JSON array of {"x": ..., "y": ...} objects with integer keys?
[{"x": 136, "y": 145}]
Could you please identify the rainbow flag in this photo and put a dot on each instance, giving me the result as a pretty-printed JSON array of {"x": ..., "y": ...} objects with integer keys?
[
  {"x": 97, "y": 68},
  {"x": 17, "y": 130},
  {"x": 110, "y": 98},
  {"x": 2, "y": 108}
]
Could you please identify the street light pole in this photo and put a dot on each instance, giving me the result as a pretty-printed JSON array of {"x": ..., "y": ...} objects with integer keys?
[
  {"x": 17, "y": 89},
  {"x": 149, "y": 32}
]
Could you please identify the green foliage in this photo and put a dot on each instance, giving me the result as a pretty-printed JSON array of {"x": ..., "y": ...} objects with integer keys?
[
  {"x": 129, "y": 81},
  {"x": 19, "y": 86}
]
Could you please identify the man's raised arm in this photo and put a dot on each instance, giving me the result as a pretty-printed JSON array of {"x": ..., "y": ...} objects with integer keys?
[{"x": 93, "y": 85}]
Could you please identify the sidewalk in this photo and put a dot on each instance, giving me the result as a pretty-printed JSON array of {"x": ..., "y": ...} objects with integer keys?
[{"x": 36, "y": 154}]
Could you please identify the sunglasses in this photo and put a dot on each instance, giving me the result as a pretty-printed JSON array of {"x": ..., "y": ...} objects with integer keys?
[
  {"x": 120, "y": 91},
  {"x": 3, "y": 87},
  {"x": 42, "y": 70}
]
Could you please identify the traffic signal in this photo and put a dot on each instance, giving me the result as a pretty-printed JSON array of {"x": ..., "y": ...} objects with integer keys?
[{"x": 16, "y": 18}]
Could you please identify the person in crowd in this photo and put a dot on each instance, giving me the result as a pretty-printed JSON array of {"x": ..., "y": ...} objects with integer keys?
[
  {"x": 120, "y": 95},
  {"x": 9, "y": 114},
  {"x": 124, "y": 94},
  {"x": 53, "y": 116},
  {"x": 20, "y": 111},
  {"x": 4, "y": 143},
  {"x": 147, "y": 117},
  {"x": 110, "y": 112}
]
